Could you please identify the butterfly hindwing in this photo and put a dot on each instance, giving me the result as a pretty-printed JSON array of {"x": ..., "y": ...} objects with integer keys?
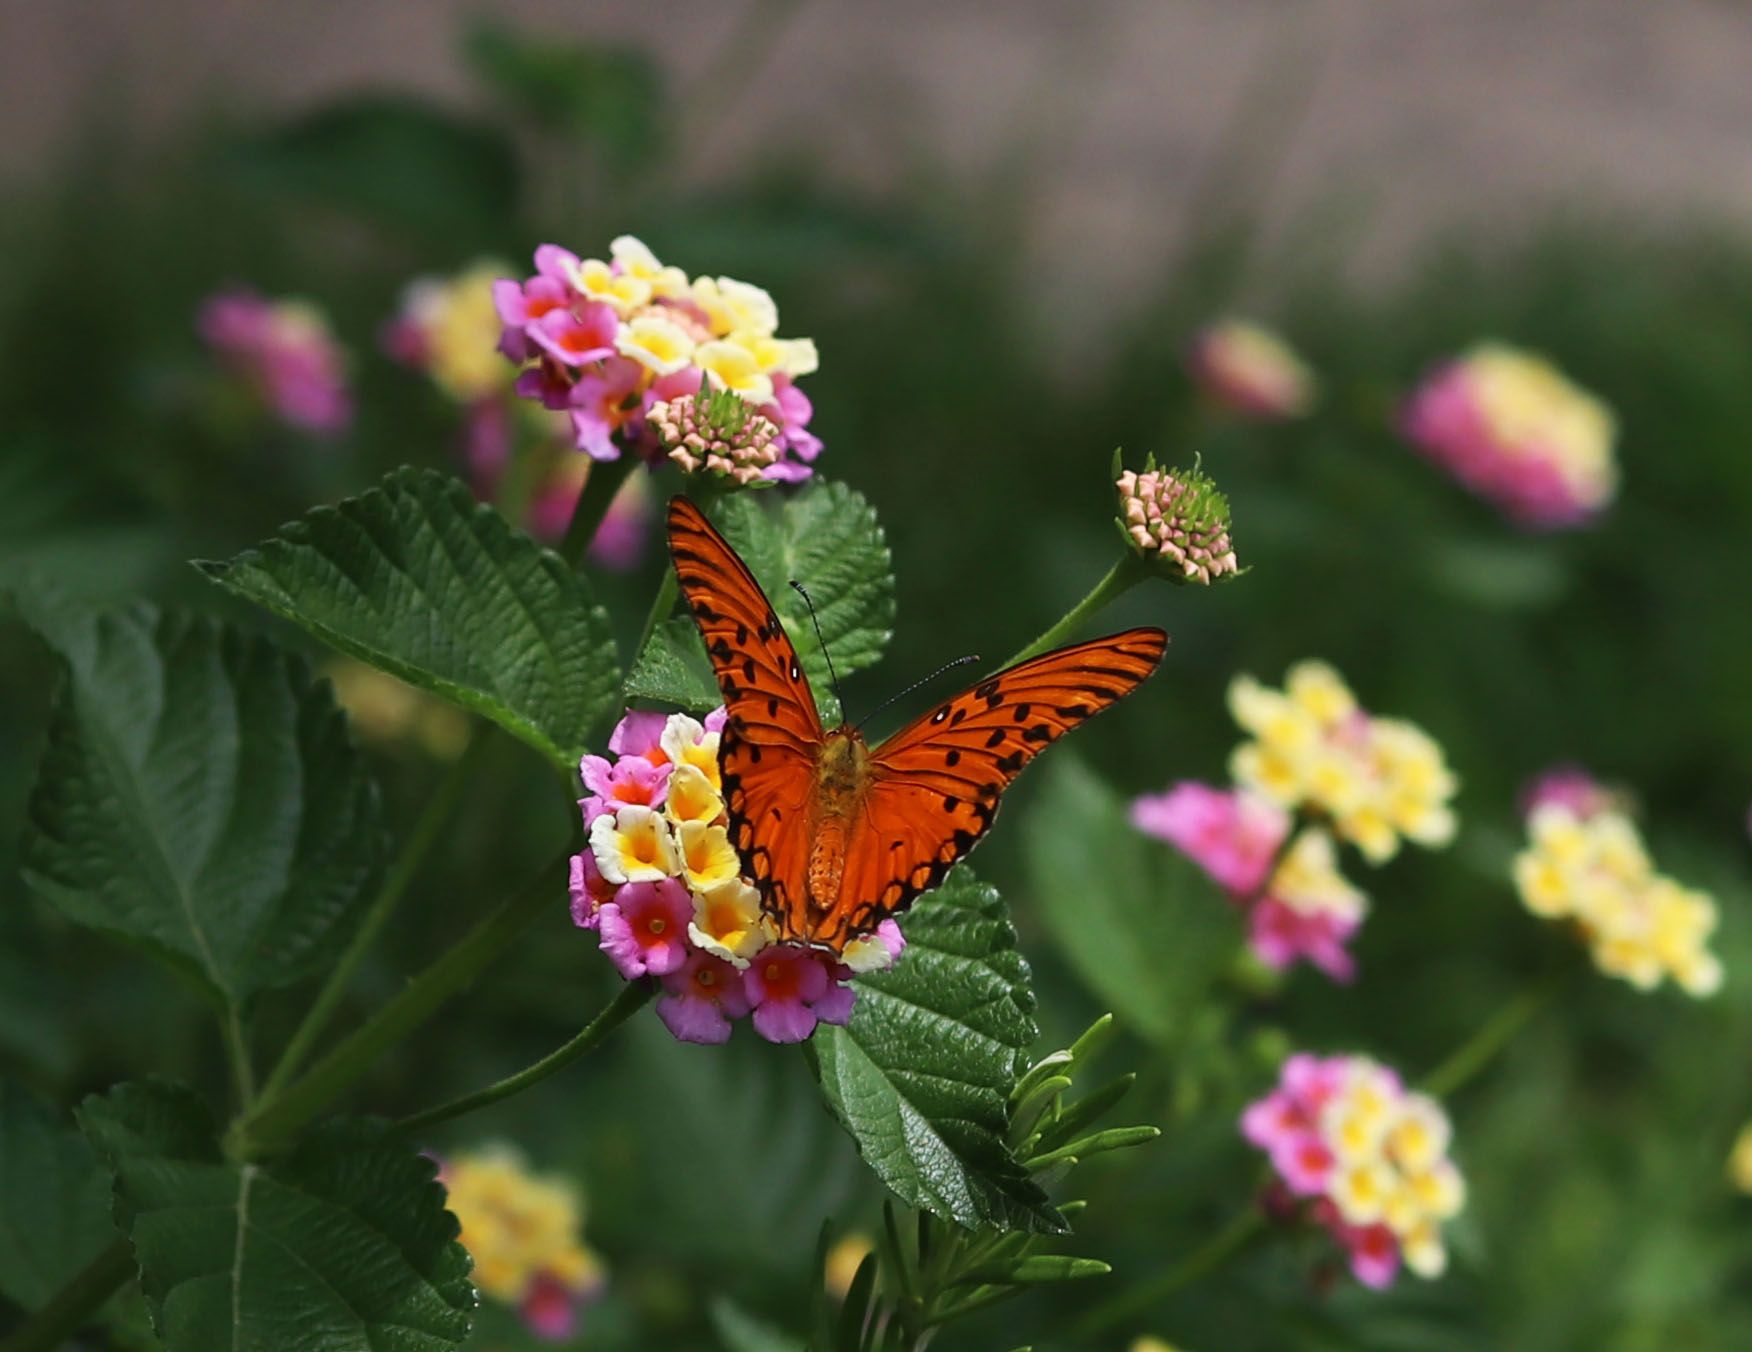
[
  {"x": 772, "y": 734},
  {"x": 936, "y": 784}
]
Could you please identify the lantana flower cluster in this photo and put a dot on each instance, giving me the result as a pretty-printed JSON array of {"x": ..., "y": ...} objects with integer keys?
[
  {"x": 1378, "y": 780},
  {"x": 1512, "y": 428},
  {"x": 662, "y": 886},
  {"x": 1250, "y": 370},
  {"x": 604, "y": 341},
  {"x": 1585, "y": 862},
  {"x": 449, "y": 328},
  {"x": 1298, "y": 903},
  {"x": 525, "y": 1234},
  {"x": 1366, "y": 1156},
  {"x": 1352, "y": 777},
  {"x": 286, "y": 352}
]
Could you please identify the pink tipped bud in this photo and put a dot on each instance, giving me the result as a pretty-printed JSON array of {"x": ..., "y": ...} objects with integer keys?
[
  {"x": 1177, "y": 520},
  {"x": 716, "y": 433}
]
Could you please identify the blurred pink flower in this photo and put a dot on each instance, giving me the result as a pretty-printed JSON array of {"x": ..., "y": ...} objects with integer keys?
[
  {"x": 1512, "y": 429},
  {"x": 1233, "y": 835},
  {"x": 1572, "y": 788},
  {"x": 640, "y": 733},
  {"x": 1250, "y": 370},
  {"x": 620, "y": 541},
  {"x": 286, "y": 352}
]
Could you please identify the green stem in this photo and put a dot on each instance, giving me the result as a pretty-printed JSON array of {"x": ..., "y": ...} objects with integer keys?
[
  {"x": 51, "y": 1327},
  {"x": 427, "y": 830},
  {"x": 704, "y": 494},
  {"x": 633, "y": 996},
  {"x": 279, "y": 1115},
  {"x": 1243, "y": 1228},
  {"x": 1495, "y": 1033},
  {"x": 603, "y": 482},
  {"x": 237, "y": 1053},
  {"x": 661, "y": 605},
  {"x": 1125, "y": 574}
]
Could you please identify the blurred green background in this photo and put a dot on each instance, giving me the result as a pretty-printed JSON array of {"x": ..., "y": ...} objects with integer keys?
[{"x": 980, "y": 361}]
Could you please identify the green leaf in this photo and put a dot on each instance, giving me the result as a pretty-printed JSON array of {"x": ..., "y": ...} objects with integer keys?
[
  {"x": 612, "y": 96},
  {"x": 58, "y": 520},
  {"x": 826, "y": 537},
  {"x": 1032, "y": 1269},
  {"x": 673, "y": 668},
  {"x": 418, "y": 578},
  {"x": 401, "y": 162},
  {"x": 921, "y": 1075},
  {"x": 1141, "y": 924},
  {"x": 200, "y": 795},
  {"x": 740, "y": 1331},
  {"x": 343, "y": 1246},
  {"x": 55, "y": 1218}
]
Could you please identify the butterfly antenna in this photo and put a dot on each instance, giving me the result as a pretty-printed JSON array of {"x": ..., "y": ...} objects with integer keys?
[
  {"x": 922, "y": 681},
  {"x": 832, "y": 675}
]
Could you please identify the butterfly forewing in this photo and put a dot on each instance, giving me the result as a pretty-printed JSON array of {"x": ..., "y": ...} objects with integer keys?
[
  {"x": 936, "y": 783},
  {"x": 772, "y": 734}
]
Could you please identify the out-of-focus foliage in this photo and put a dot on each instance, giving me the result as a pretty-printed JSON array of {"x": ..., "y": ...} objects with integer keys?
[{"x": 1598, "y": 1215}]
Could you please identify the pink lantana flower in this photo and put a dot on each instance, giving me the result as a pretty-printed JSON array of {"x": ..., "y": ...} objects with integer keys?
[
  {"x": 792, "y": 989},
  {"x": 599, "y": 402},
  {"x": 791, "y": 409},
  {"x": 700, "y": 999},
  {"x": 590, "y": 891},
  {"x": 640, "y": 733},
  {"x": 615, "y": 784},
  {"x": 1233, "y": 835},
  {"x": 875, "y": 952},
  {"x": 576, "y": 336},
  {"x": 644, "y": 929}
]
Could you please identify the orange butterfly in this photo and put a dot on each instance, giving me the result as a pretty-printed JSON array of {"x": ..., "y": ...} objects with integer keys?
[{"x": 837, "y": 835}]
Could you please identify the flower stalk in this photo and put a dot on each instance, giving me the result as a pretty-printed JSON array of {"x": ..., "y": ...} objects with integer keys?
[
  {"x": 69, "y": 1309},
  {"x": 427, "y": 830},
  {"x": 278, "y": 1116},
  {"x": 604, "y": 481},
  {"x": 632, "y": 998},
  {"x": 1127, "y": 571}
]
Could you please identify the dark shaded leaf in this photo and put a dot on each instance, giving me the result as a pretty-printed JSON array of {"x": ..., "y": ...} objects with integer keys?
[{"x": 418, "y": 578}]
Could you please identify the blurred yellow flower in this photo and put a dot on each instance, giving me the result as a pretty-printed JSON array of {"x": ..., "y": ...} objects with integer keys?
[
  {"x": 1639, "y": 925},
  {"x": 1740, "y": 1160},
  {"x": 1380, "y": 780},
  {"x": 525, "y": 1234},
  {"x": 457, "y": 327},
  {"x": 385, "y": 710},
  {"x": 843, "y": 1261}
]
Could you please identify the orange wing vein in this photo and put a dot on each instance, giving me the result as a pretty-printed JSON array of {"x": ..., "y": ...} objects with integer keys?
[{"x": 772, "y": 734}]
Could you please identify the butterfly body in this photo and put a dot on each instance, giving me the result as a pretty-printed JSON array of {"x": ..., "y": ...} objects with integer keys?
[{"x": 839, "y": 835}]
